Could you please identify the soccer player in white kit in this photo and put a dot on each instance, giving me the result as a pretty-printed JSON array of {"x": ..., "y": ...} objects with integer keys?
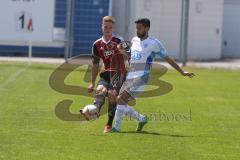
[{"x": 143, "y": 51}]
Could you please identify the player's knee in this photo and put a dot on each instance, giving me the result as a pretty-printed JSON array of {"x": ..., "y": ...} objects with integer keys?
[
  {"x": 101, "y": 89},
  {"x": 120, "y": 100}
]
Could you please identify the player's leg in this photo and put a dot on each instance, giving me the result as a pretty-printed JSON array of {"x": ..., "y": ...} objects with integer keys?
[
  {"x": 124, "y": 109},
  {"x": 141, "y": 119},
  {"x": 122, "y": 100},
  {"x": 112, "y": 95},
  {"x": 101, "y": 92},
  {"x": 128, "y": 92}
]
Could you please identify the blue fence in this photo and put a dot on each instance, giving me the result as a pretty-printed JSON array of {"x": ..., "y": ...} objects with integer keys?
[{"x": 87, "y": 23}]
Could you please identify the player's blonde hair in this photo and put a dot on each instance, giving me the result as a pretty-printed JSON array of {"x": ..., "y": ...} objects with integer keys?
[{"x": 109, "y": 19}]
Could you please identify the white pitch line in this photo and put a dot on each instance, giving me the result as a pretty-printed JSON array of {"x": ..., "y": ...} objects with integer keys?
[{"x": 11, "y": 78}]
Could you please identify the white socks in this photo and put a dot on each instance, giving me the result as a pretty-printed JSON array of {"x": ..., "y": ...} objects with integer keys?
[
  {"x": 125, "y": 110},
  {"x": 132, "y": 113},
  {"x": 120, "y": 112}
]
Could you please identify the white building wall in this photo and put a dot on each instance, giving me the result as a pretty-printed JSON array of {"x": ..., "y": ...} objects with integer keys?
[
  {"x": 205, "y": 29},
  {"x": 205, "y": 24},
  {"x": 165, "y": 16},
  {"x": 231, "y": 29},
  {"x": 118, "y": 11},
  {"x": 165, "y": 19},
  {"x": 124, "y": 11}
]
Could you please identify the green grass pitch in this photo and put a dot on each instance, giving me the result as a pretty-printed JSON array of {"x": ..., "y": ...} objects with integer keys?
[{"x": 199, "y": 119}]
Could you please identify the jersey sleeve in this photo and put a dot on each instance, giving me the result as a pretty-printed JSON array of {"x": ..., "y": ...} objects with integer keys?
[
  {"x": 159, "y": 49},
  {"x": 95, "y": 55}
]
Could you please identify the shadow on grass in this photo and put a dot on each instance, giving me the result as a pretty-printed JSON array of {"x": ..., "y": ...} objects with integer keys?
[
  {"x": 154, "y": 133},
  {"x": 146, "y": 133}
]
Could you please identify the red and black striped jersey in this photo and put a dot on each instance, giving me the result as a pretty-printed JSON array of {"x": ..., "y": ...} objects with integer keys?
[{"x": 106, "y": 51}]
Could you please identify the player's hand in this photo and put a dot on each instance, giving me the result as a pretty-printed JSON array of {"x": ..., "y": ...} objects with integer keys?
[
  {"x": 124, "y": 46},
  {"x": 91, "y": 87},
  {"x": 189, "y": 74}
]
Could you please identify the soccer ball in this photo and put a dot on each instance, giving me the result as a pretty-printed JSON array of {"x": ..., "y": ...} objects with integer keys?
[{"x": 90, "y": 112}]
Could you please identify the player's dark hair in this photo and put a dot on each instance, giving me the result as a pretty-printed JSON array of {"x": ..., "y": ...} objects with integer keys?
[{"x": 144, "y": 21}]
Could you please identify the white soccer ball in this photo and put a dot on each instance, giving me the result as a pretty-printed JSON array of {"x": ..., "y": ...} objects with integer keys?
[{"x": 90, "y": 112}]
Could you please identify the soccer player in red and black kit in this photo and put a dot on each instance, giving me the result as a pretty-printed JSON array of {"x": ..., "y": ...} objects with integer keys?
[{"x": 112, "y": 77}]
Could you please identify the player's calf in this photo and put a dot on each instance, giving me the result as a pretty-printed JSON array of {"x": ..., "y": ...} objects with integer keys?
[
  {"x": 100, "y": 98},
  {"x": 112, "y": 94}
]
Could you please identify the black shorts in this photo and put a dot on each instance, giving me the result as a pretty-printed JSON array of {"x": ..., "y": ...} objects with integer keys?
[
  {"x": 105, "y": 83},
  {"x": 111, "y": 80}
]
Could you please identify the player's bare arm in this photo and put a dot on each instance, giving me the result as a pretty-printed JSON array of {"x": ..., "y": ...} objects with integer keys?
[
  {"x": 178, "y": 68},
  {"x": 95, "y": 70}
]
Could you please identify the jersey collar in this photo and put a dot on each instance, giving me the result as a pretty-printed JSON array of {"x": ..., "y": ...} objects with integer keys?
[{"x": 106, "y": 42}]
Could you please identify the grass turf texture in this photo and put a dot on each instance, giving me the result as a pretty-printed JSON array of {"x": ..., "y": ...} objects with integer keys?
[{"x": 29, "y": 128}]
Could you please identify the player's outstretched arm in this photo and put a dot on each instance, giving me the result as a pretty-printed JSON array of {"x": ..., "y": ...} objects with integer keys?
[{"x": 178, "y": 68}]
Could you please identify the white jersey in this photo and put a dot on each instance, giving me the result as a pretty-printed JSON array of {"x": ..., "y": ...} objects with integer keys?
[{"x": 142, "y": 55}]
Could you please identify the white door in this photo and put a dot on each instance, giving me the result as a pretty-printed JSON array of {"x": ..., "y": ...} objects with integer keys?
[
  {"x": 204, "y": 30},
  {"x": 231, "y": 30}
]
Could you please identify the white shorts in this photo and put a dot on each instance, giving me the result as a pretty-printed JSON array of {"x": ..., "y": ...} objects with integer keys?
[{"x": 133, "y": 86}]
